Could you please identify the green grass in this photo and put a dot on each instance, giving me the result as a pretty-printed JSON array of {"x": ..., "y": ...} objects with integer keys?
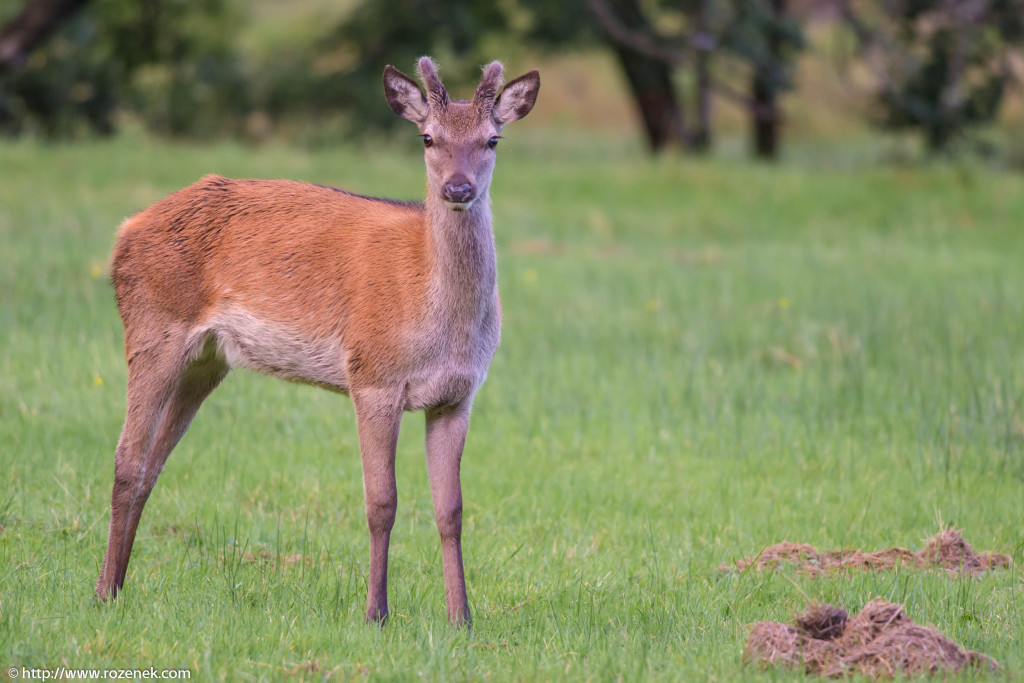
[{"x": 699, "y": 359}]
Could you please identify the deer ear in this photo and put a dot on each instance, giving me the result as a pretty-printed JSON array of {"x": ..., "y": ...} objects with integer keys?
[
  {"x": 517, "y": 98},
  {"x": 405, "y": 96}
]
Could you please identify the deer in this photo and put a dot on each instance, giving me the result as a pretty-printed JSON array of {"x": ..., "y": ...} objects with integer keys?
[{"x": 394, "y": 304}]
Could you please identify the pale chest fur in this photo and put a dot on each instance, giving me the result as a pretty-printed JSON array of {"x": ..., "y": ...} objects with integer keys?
[
  {"x": 451, "y": 366},
  {"x": 460, "y": 334}
]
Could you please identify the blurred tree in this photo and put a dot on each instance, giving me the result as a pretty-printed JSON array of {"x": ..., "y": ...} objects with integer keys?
[
  {"x": 31, "y": 27},
  {"x": 942, "y": 66},
  {"x": 647, "y": 62},
  {"x": 174, "y": 62},
  {"x": 171, "y": 61},
  {"x": 755, "y": 33},
  {"x": 758, "y": 34},
  {"x": 764, "y": 35},
  {"x": 348, "y": 63}
]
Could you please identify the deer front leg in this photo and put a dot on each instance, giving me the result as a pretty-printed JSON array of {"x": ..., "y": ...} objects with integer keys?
[
  {"x": 446, "y": 436},
  {"x": 379, "y": 415}
]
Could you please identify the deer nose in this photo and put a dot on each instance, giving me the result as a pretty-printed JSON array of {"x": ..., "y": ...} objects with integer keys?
[{"x": 459, "y": 192}]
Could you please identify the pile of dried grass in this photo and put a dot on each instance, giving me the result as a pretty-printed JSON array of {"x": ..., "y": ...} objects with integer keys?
[
  {"x": 947, "y": 550},
  {"x": 879, "y": 641}
]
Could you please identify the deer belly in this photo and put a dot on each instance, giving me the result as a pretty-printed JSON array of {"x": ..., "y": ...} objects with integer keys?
[{"x": 272, "y": 348}]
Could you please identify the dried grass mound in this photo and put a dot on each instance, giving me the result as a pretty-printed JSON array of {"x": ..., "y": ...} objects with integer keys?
[
  {"x": 880, "y": 641},
  {"x": 949, "y": 550},
  {"x": 946, "y": 550}
]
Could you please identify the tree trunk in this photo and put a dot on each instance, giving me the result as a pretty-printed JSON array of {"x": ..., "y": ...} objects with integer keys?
[
  {"x": 649, "y": 77},
  {"x": 766, "y": 116},
  {"x": 31, "y": 28},
  {"x": 650, "y": 81},
  {"x": 703, "y": 42}
]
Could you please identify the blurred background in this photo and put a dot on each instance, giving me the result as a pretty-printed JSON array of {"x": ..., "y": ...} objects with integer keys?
[{"x": 762, "y": 78}]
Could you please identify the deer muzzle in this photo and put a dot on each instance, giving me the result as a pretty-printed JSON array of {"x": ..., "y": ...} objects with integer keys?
[{"x": 458, "y": 190}]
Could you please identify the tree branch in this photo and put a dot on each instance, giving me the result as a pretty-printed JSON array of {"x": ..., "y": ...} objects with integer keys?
[
  {"x": 864, "y": 35},
  {"x": 737, "y": 97},
  {"x": 646, "y": 42}
]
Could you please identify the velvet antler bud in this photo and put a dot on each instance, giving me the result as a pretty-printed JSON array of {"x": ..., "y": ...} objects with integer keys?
[{"x": 435, "y": 88}]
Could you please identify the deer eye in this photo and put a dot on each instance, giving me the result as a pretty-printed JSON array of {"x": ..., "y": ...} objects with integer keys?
[
  {"x": 493, "y": 142},
  {"x": 427, "y": 140}
]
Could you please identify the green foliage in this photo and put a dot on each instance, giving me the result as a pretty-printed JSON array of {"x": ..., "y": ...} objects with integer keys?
[
  {"x": 766, "y": 38},
  {"x": 462, "y": 34},
  {"x": 555, "y": 25},
  {"x": 170, "y": 62},
  {"x": 945, "y": 67},
  {"x": 341, "y": 71},
  {"x": 65, "y": 87},
  {"x": 176, "y": 65},
  {"x": 187, "y": 77},
  {"x": 398, "y": 32},
  {"x": 698, "y": 359}
]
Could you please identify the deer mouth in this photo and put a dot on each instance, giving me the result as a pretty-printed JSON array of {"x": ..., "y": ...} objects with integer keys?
[{"x": 459, "y": 206}]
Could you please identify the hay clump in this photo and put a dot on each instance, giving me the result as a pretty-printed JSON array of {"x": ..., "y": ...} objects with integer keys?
[
  {"x": 880, "y": 641},
  {"x": 947, "y": 550}
]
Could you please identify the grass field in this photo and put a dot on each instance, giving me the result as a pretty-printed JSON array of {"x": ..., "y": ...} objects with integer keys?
[{"x": 698, "y": 359}]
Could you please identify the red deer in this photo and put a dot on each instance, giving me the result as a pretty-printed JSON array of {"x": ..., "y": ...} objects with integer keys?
[{"x": 395, "y": 304}]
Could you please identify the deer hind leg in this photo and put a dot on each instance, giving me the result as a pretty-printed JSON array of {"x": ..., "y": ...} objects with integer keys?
[{"x": 165, "y": 389}]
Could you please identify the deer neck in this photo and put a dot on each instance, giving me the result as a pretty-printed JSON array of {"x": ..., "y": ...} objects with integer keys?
[{"x": 465, "y": 273}]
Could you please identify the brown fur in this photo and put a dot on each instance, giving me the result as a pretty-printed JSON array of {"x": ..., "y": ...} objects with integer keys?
[
  {"x": 393, "y": 303},
  {"x": 275, "y": 246}
]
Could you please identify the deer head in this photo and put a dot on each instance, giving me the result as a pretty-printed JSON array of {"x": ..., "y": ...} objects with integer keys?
[{"x": 460, "y": 137}]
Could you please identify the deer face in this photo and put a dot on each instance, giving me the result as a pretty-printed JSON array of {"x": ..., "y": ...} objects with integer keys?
[{"x": 460, "y": 138}]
